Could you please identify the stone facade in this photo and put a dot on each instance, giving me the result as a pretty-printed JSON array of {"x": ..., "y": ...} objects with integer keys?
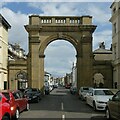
[
  {"x": 102, "y": 67},
  {"x": 4, "y": 26},
  {"x": 17, "y": 74},
  {"x": 17, "y": 67},
  {"x": 115, "y": 20}
]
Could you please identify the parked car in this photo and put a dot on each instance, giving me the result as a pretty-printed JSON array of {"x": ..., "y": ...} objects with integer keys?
[
  {"x": 18, "y": 102},
  {"x": 67, "y": 86},
  {"x": 113, "y": 107},
  {"x": 73, "y": 90},
  {"x": 47, "y": 90},
  {"x": 33, "y": 94},
  {"x": 55, "y": 85},
  {"x": 5, "y": 112},
  {"x": 83, "y": 91},
  {"x": 98, "y": 98},
  {"x": 50, "y": 88}
]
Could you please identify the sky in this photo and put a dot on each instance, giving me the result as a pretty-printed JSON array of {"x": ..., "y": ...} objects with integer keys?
[{"x": 60, "y": 54}]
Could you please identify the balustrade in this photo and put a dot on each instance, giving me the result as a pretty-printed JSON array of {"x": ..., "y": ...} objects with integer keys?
[
  {"x": 60, "y": 20},
  {"x": 68, "y": 20}
]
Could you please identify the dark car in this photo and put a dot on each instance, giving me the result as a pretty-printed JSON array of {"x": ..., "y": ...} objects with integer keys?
[
  {"x": 18, "y": 102},
  {"x": 113, "y": 107},
  {"x": 73, "y": 90},
  {"x": 47, "y": 90},
  {"x": 5, "y": 112},
  {"x": 33, "y": 94}
]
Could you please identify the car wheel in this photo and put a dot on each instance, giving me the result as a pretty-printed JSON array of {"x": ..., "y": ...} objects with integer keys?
[
  {"x": 17, "y": 114},
  {"x": 94, "y": 106},
  {"x": 6, "y": 117},
  {"x": 37, "y": 100},
  {"x": 82, "y": 98},
  {"x": 108, "y": 116}
]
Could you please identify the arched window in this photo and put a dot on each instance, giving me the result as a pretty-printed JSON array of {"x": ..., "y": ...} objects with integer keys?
[
  {"x": 98, "y": 80},
  {"x": 22, "y": 80}
]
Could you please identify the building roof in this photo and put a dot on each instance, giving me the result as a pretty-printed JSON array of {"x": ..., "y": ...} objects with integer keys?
[
  {"x": 102, "y": 54},
  {"x": 102, "y": 50},
  {"x": 4, "y": 22}
]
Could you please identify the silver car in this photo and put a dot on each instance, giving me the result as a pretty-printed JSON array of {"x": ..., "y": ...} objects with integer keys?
[
  {"x": 113, "y": 107},
  {"x": 83, "y": 92}
]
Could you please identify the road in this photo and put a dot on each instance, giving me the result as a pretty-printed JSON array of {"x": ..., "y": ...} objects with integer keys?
[{"x": 61, "y": 105}]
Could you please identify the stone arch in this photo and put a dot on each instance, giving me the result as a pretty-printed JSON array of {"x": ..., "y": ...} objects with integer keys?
[
  {"x": 54, "y": 37},
  {"x": 75, "y": 29},
  {"x": 22, "y": 81}
]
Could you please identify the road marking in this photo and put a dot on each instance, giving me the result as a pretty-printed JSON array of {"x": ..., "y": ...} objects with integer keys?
[
  {"x": 63, "y": 117},
  {"x": 62, "y": 107}
]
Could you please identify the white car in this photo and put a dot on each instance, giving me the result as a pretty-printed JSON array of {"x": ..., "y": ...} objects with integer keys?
[
  {"x": 83, "y": 91},
  {"x": 98, "y": 98}
]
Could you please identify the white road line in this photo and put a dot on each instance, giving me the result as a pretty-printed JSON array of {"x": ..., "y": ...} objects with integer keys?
[
  {"x": 63, "y": 117},
  {"x": 62, "y": 107}
]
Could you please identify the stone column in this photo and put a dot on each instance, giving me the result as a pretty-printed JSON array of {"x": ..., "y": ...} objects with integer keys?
[
  {"x": 33, "y": 66},
  {"x": 41, "y": 72},
  {"x": 84, "y": 63}
]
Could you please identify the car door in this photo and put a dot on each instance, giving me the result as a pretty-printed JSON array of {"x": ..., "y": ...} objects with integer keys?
[
  {"x": 118, "y": 105},
  {"x": 18, "y": 100},
  {"x": 114, "y": 105},
  {"x": 90, "y": 98},
  {"x": 22, "y": 100}
]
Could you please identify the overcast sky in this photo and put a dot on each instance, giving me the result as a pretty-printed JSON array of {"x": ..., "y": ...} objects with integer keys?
[{"x": 60, "y": 54}]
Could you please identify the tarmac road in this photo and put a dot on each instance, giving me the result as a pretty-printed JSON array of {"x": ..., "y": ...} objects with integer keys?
[{"x": 61, "y": 105}]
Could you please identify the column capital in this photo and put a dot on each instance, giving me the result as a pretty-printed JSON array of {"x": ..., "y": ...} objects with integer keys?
[{"x": 34, "y": 39}]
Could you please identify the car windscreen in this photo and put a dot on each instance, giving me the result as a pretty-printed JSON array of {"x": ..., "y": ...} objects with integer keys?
[
  {"x": 103, "y": 92},
  {"x": 6, "y": 95},
  {"x": 85, "y": 89},
  {"x": 31, "y": 90}
]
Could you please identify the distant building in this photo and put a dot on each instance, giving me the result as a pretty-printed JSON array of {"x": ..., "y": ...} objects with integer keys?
[
  {"x": 68, "y": 79},
  {"x": 102, "y": 67},
  {"x": 47, "y": 79},
  {"x": 15, "y": 52},
  {"x": 102, "y": 53},
  {"x": 74, "y": 75},
  {"x": 17, "y": 67},
  {"x": 115, "y": 20},
  {"x": 4, "y": 26}
]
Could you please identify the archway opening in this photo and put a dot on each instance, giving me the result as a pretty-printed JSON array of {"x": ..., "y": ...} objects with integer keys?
[{"x": 60, "y": 64}]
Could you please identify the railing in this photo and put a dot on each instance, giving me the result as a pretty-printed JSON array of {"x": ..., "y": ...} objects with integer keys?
[
  {"x": 58, "y": 20},
  {"x": 36, "y": 20}
]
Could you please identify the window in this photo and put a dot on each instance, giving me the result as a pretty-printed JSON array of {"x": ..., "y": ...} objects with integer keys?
[
  {"x": 117, "y": 96},
  {"x": 6, "y": 95},
  {"x": 21, "y": 95},
  {"x": 114, "y": 28},
  {"x": 114, "y": 52},
  {"x": 103, "y": 92},
  {"x": 114, "y": 10},
  {"x": 16, "y": 95}
]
